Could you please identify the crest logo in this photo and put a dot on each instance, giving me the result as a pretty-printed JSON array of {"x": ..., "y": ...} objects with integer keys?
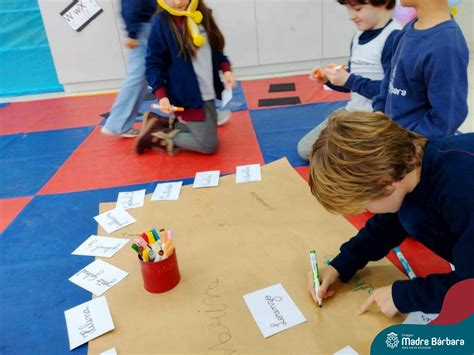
[{"x": 392, "y": 340}]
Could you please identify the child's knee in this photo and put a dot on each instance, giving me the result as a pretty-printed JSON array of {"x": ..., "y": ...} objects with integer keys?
[
  {"x": 209, "y": 147},
  {"x": 304, "y": 150}
]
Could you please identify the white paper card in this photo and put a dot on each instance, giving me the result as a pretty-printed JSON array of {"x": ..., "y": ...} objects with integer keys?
[
  {"x": 88, "y": 321},
  {"x": 98, "y": 277},
  {"x": 167, "y": 191},
  {"x": 273, "y": 310},
  {"x": 346, "y": 351},
  {"x": 226, "y": 96},
  {"x": 80, "y": 13},
  {"x": 111, "y": 351},
  {"x": 420, "y": 318},
  {"x": 131, "y": 199},
  {"x": 206, "y": 179},
  {"x": 248, "y": 173},
  {"x": 114, "y": 219},
  {"x": 100, "y": 246}
]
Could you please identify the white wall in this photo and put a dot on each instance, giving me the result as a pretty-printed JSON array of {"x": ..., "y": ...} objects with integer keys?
[{"x": 465, "y": 18}]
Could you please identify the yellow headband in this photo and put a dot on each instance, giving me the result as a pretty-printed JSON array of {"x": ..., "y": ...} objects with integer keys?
[{"x": 194, "y": 18}]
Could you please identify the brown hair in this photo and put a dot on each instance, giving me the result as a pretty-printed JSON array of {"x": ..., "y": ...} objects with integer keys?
[
  {"x": 389, "y": 4},
  {"x": 357, "y": 156},
  {"x": 184, "y": 39}
]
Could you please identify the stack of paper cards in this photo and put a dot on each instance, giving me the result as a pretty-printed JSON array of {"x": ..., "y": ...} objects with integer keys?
[
  {"x": 100, "y": 246},
  {"x": 248, "y": 173},
  {"x": 98, "y": 277},
  {"x": 206, "y": 179},
  {"x": 88, "y": 321},
  {"x": 167, "y": 191},
  {"x": 130, "y": 199},
  {"x": 114, "y": 220},
  {"x": 273, "y": 310}
]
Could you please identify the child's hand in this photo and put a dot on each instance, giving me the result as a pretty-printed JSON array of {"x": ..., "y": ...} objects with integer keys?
[
  {"x": 229, "y": 80},
  {"x": 384, "y": 300},
  {"x": 328, "y": 275},
  {"x": 317, "y": 74},
  {"x": 165, "y": 106},
  {"x": 336, "y": 76},
  {"x": 132, "y": 43}
]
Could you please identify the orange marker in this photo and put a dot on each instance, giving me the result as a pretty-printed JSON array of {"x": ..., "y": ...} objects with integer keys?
[
  {"x": 319, "y": 75},
  {"x": 174, "y": 108}
]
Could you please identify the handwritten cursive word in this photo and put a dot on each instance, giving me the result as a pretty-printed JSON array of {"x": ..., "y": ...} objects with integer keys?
[
  {"x": 271, "y": 302},
  {"x": 259, "y": 199},
  {"x": 88, "y": 327},
  {"x": 215, "y": 310},
  {"x": 358, "y": 285},
  {"x": 102, "y": 248},
  {"x": 90, "y": 276},
  {"x": 113, "y": 220}
]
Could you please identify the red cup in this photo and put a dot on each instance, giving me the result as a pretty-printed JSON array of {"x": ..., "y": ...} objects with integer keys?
[{"x": 161, "y": 276}]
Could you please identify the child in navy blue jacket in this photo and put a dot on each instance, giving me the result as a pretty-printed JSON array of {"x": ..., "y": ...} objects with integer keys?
[
  {"x": 426, "y": 90},
  {"x": 416, "y": 186},
  {"x": 185, "y": 53}
]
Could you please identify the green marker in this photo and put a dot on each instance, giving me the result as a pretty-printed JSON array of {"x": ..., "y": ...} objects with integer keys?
[{"x": 315, "y": 270}]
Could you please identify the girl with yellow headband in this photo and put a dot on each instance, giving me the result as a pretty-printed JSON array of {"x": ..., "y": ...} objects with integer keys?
[{"x": 185, "y": 54}]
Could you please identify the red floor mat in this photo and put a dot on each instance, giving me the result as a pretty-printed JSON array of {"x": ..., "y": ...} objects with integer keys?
[
  {"x": 307, "y": 90},
  {"x": 10, "y": 208},
  {"x": 65, "y": 112},
  {"x": 102, "y": 161}
]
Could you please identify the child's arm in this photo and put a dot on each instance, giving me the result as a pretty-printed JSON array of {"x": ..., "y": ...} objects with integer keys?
[
  {"x": 130, "y": 11},
  {"x": 157, "y": 59},
  {"x": 371, "y": 88},
  {"x": 381, "y": 234},
  {"x": 447, "y": 86},
  {"x": 378, "y": 101}
]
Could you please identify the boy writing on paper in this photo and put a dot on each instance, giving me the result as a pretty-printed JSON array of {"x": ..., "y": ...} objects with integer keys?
[{"x": 414, "y": 186}]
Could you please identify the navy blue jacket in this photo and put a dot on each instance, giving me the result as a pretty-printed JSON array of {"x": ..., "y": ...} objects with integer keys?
[
  {"x": 136, "y": 12},
  {"x": 363, "y": 86},
  {"x": 439, "y": 213},
  {"x": 172, "y": 75},
  {"x": 426, "y": 90}
]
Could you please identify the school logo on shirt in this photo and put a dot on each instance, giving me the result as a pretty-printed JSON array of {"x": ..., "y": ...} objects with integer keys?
[{"x": 392, "y": 89}]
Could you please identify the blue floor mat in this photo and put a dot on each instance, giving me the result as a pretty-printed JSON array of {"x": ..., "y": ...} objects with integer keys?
[
  {"x": 279, "y": 130},
  {"x": 28, "y": 160},
  {"x": 36, "y": 264}
]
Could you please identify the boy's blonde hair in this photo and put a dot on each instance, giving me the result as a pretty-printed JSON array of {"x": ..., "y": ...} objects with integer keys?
[{"x": 357, "y": 156}]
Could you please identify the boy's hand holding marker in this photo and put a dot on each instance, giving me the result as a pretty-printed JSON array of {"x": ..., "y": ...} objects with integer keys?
[
  {"x": 332, "y": 73},
  {"x": 328, "y": 275}
]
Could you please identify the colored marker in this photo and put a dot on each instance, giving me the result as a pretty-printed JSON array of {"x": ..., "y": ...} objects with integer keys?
[
  {"x": 151, "y": 255},
  {"x": 151, "y": 238},
  {"x": 315, "y": 270},
  {"x": 319, "y": 75},
  {"x": 404, "y": 262},
  {"x": 174, "y": 108},
  {"x": 145, "y": 236},
  {"x": 135, "y": 247},
  {"x": 155, "y": 234},
  {"x": 146, "y": 255}
]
